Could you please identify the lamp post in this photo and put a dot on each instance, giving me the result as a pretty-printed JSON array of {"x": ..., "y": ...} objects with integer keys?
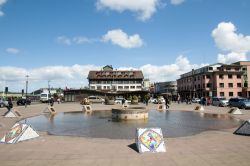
[
  {"x": 49, "y": 91},
  {"x": 27, "y": 76}
]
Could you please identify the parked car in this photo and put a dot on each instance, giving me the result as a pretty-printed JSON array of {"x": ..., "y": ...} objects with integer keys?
[
  {"x": 220, "y": 101},
  {"x": 23, "y": 101},
  {"x": 119, "y": 101},
  {"x": 96, "y": 99},
  {"x": 196, "y": 100},
  {"x": 239, "y": 102},
  {"x": 3, "y": 102}
]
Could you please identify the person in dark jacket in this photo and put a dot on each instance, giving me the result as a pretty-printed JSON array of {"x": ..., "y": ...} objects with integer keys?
[{"x": 10, "y": 104}]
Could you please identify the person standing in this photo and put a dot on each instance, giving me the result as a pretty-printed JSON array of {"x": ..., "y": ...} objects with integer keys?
[{"x": 10, "y": 104}]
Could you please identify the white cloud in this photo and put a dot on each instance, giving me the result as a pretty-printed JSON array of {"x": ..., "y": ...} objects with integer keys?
[
  {"x": 2, "y": 2},
  {"x": 144, "y": 8},
  {"x": 1, "y": 13},
  {"x": 64, "y": 40},
  {"x": 231, "y": 57},
  {"x": 235, "y": 45},
  {"x": 76, "y": 76},
  {"x": 74, "y": 40},
  {"x": 177, "y": 2},
  {"x": 81, "y": 40},
  {"x": 120, "y": 38},
  {"x": 12, "y": 50}
]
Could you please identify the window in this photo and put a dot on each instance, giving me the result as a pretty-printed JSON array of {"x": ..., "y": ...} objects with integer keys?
[
  {"x": 210, "y": 68},
  {"x": 230, "y": 85},
  {"x": 199, "y": 86},
  {"x": 126, "y": 87},
  {"x": 239, "y": 94},
  {"x": 239, "y": 85},
  {"x": 207, "y": 76},
  {"x": 132, "y": 87},
  {"x": 92, "y": 87},
  {"x": 228, "y": 68},
  {"x": 120, "y": 87},
  {"x": 198, "y": 77},
  {"x": 203, "y": 76},
  {"x": 99, "y": 87},
  {"x": 231, "y": 94},
  {"x": 138, "y": 87},
  {"x": 209, "y": 85},
  {"x": 239, "y": 76},
  {"x": 221, "y": 76},
  {"x": 230, "y": 76},
  {"x": 221, "y": 85},
  {"x": 237, "y": 69},
  {"x": 222, "y": 94}
]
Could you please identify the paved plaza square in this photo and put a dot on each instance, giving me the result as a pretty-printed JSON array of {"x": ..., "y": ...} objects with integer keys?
[{"x": 218, "y": 147}]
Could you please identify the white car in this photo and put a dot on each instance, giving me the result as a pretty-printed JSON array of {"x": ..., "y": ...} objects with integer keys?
[
  {"x": 196, "y": 100},
  {"x": 119, "y": 101}
]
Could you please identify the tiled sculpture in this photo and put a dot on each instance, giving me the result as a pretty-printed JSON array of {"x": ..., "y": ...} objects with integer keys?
[
  {"x": 19, "y": 132},
  {"x": 150, "y": 140}
]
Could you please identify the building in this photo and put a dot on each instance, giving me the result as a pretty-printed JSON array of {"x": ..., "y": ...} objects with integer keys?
[
  {"x": 212, "y": 80},
  {"x": 246, "y": 79},
  {"x": 169, "y": 87},
  {"x": 108, "y": 79},
  {"x": 146, "y": 84}
]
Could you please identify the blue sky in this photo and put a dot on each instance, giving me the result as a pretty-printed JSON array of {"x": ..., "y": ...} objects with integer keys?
[{"x": 61, "y": 40}]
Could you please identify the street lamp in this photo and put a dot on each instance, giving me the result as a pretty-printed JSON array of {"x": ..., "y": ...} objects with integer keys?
[{"x": 27, "y": 76}]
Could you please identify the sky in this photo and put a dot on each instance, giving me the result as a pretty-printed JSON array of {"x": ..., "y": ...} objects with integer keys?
[{"x": 61, "y": 40}]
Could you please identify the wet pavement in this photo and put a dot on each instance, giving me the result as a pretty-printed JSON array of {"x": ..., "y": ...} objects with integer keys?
[{"x": 99, "y": 124}]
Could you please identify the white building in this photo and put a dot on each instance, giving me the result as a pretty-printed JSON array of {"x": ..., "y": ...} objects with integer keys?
[{"x": 108, "y": 79}]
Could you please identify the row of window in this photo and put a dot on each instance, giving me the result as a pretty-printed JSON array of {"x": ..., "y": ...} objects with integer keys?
[
  {"x": 208, "y": 85},
  {"x": 115, "y": 82},
  {"x": 221, "y": 76},
  {"x": 230, "y": 94},
  {"x": 230, "y": 85},
  {"x": 113, "y": 87}
]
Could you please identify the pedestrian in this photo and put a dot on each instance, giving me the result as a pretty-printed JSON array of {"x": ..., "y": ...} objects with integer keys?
[
  {"x": 166, "y": 101},
  {"x": 51, "y": 102},
  {"x": 10, "y": 104},
  {"x": 58, "y": 100},
  {"x": 123, "y": 101}
]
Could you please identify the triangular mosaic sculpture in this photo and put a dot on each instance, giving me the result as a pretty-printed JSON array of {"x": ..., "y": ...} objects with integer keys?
[
  {"x": 150, "y": 140},
  {"x": 244, "y": 129},
  {"x": 12, "y": 114},
  {"x": 19, "y": 132}
]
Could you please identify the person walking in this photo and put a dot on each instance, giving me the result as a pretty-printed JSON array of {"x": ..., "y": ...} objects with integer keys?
[{"x": 166, "y": 102}]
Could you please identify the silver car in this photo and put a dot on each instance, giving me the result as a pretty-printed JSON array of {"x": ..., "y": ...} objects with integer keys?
[
  {"x": 3, "y": 103},
  {"x": 220, "y": 101}
]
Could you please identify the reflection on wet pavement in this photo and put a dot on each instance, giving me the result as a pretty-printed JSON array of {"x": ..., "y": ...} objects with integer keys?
[{"x": 101, "y": 125}]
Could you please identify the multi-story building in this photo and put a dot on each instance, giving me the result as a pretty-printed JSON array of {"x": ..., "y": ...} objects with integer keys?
[
  {"x": 169, "y": 87},
  {"x": 212, "y": 80},
  {"x": 108, "y": 79},
  {"x": 146, "y": 84},
  {"x": 245, "y": 80}
]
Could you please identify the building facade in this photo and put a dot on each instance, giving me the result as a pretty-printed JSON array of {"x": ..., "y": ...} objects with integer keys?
[
  {"x": 212, "y": 80},
  {"x": 108, "y": 79},
  {"x": 246, "y": 78},
  {"x": 169, "y": 87}
]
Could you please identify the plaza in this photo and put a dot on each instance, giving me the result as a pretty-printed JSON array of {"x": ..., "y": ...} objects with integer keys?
[{"x": 213, "y": 147}]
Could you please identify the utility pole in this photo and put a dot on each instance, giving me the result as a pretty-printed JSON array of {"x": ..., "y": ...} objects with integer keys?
[{"x": 27, "y": 77}]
